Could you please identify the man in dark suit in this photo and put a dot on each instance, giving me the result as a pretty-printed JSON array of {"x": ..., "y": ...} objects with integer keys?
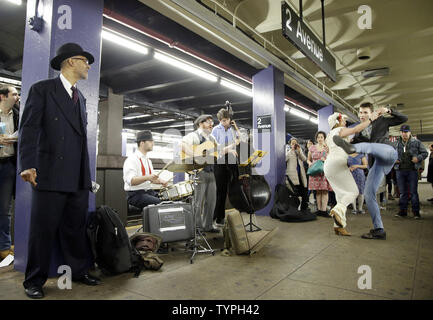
[{"x": 53, "y": 158}]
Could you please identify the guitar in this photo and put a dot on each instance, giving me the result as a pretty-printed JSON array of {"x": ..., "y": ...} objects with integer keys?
[{"x": 202, "y": 153}]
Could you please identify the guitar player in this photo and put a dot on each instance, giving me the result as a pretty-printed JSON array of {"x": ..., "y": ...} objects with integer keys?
[{"x": 205, "y": 191}]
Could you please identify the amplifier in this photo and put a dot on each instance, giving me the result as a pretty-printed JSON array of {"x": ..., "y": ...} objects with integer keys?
[{"x": 173, "y": 221}]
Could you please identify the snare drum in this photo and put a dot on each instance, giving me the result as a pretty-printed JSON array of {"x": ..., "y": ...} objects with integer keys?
[{"x": 177, "y": 191}]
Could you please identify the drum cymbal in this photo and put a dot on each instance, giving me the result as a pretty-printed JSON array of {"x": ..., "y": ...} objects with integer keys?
[{"x": 184, "y": 167}]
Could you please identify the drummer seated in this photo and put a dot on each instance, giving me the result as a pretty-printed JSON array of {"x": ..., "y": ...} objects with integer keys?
[{"x": 138, "y": 174}]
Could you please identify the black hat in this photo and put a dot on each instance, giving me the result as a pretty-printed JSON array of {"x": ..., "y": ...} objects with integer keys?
[
  {"x": 405, "y": 128},
  {"x": 202, "y": 118},
  {"x": 144, "y": 135},
  {"x": 69, "y": 50}
]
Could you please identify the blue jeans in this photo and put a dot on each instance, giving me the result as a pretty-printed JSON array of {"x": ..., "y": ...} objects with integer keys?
[
  {"x": 142, "y": 198},
  {"x": 405, "y": 177},
  {"x": 7, "y": 181},
  {"x": 384, "y": 159}
]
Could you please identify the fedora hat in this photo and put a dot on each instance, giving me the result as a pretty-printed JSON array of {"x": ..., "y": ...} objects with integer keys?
[
  {"x": 69, "y": 50},
  {"x": 202, "y": 118}
]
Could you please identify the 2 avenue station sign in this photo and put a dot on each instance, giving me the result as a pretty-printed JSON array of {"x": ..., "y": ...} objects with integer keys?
[{"x": 302, "y": 37}]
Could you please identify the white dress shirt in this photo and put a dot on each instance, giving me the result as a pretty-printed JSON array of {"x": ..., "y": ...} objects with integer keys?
[
  {"x": 67, "y": 85},
  {"x": 132, "y": 168},
  {"x": 7, "y": 151}
]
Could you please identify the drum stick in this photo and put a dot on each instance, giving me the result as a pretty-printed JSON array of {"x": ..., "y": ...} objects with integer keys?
[{"x": 164, "y": 168}]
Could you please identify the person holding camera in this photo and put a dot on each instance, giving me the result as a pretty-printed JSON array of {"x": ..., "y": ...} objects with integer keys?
[{"x": 295, "y": 171}]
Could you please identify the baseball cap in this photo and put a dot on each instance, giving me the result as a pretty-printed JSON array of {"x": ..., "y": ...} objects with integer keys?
[{"x": 405, "y": 128}]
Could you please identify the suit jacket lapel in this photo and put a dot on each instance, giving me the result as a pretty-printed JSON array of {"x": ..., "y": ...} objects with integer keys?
[
  {"x": 83, "y": 111},
  {"x": 66, "y": 105}
]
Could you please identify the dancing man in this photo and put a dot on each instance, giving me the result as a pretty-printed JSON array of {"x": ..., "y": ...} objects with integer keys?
[{"x": 374, "y": 140}]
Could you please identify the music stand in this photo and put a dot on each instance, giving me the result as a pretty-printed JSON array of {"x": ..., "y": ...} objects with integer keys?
[{"x": 252, "y": 161}]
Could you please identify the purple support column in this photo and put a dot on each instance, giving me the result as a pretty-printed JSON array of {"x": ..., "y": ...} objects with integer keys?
[
  {"x": 178, "y": 177},
  {"x": 268, "y": 99},
  {"x": 77, "y": 21},
  {"x": 324, "y": 114}
]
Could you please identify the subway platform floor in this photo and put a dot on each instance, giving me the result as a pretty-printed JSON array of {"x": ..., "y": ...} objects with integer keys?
[{"x": 303, "y": 261}]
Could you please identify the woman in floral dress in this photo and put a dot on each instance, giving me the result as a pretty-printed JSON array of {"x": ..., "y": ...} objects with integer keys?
[{"x": 319, "y": 182}]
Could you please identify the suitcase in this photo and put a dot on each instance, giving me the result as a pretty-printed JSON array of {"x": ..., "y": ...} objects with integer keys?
[{"x": 171, "y": 220}]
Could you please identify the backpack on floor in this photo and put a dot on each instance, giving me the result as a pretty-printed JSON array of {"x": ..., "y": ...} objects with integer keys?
[
  {"x": 147, "y": 244},
  {"x": 110, "y": 244},
  {"x": 286, "y": 204}
]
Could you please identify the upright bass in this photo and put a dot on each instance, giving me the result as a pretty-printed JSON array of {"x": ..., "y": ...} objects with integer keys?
[{"x": 247, "y": 192}]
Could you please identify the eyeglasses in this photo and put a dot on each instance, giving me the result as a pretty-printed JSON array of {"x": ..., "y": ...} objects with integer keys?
[{"x": 82, "y": 59}]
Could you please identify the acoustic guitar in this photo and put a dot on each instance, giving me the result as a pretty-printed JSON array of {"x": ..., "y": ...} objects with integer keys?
[{"x": 202, "y": 153}]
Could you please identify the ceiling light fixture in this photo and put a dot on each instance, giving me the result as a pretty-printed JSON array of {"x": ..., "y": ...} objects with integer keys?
[
  {"x": 299, "y": 106},
  {"x": 136, "y": 117},
  {"x": 181, "y": 125},
  {"x": 11, "y": 81},
  {"x": 124, "y": 41},
  {"x": 159, "y": 121},
  {"x": 17, "y": 2},
  {"x": 185, "y": 66},
  {"x": 135, "y": 45},
  {"x": 133, "y": 106},
  {"x": 236, "y": 87},
  {"x": 314, "y": 120},
  {"x": 300, "y": 114}
]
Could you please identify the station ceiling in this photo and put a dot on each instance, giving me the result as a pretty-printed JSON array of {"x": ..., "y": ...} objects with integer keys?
[{"x": 401, "y": 39}]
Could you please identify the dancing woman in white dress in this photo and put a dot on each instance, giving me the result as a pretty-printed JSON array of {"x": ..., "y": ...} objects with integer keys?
[{"x": 338, "y": 173}]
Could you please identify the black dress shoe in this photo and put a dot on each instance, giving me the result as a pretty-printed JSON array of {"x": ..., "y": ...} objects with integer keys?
[
  {"x": 401, "y": 215},
  {"x": 89, "y": 280},
  {"x": 35, "y": 292},
  {"x": 343, "y": 144},
  {"x": 379, "y": 234},
  {"x": 323, "y": 214},
  {"x": 212, "y": 231}
]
